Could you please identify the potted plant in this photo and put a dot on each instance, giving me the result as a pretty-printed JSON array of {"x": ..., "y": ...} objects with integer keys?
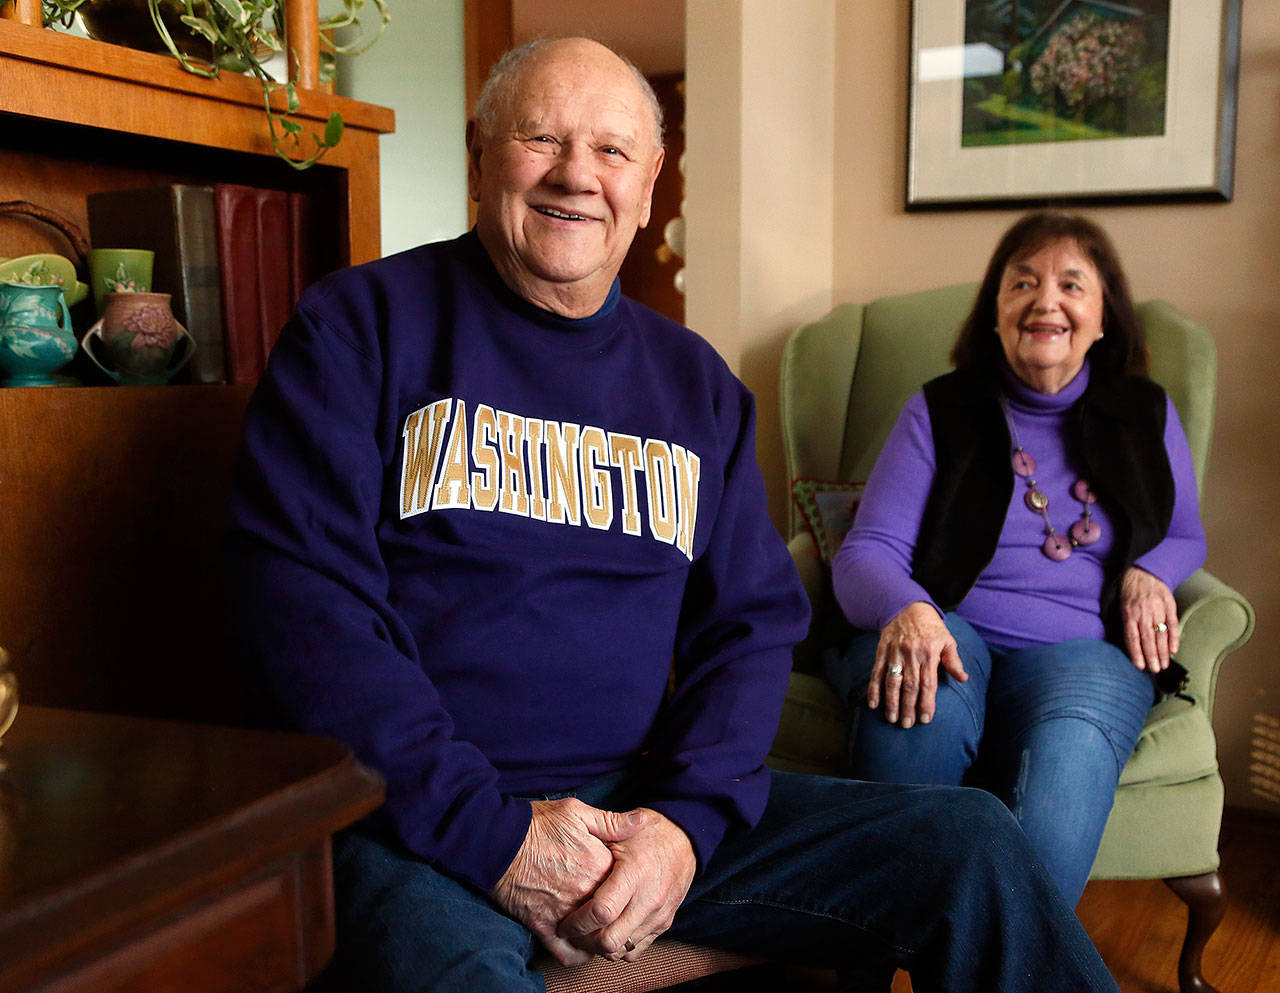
[{"x": 208, "y": 36}]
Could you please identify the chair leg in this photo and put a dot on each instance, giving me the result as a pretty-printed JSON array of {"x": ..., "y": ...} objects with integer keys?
[{"x": 1206, "y": 899}]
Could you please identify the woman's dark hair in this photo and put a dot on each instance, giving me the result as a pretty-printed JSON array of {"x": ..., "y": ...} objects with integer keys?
[{"x": 1122, "y": 351}]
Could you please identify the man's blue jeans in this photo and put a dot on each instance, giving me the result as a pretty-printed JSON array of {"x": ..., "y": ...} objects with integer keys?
[
  {"x": 1047, "y": 729},
  {"x": 859, "y": 877}
]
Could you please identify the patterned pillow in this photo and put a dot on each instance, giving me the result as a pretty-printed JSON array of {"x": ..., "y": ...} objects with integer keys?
[{"x": 828, "y": 508}]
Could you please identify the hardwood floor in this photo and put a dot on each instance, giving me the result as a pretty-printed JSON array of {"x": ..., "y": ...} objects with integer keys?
[{"x": 1138, "y": 926}]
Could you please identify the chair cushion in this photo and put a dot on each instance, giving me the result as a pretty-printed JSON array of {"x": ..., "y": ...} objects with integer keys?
[
  {"x": 1161, "y": 831},
  {"x": 811, "y": 735},
  {"x": 1176, "y": 746}
]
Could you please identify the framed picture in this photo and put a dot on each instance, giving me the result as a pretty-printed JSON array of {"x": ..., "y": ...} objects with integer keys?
[{"x": 1018, "y": 102}]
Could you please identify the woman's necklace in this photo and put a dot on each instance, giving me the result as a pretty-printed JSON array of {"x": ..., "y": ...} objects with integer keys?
[{"x": 1083, "y": 532}]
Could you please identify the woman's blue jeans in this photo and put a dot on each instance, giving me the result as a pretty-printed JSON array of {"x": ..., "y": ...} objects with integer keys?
[
  {"x": 1047, "y": 729},
  {"x": 858, "y": 877}
]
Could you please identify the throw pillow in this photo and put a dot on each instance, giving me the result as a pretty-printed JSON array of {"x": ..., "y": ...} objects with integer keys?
[{"x": 828, "y": 508}]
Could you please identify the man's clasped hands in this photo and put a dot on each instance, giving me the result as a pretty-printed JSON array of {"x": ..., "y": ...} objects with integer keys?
[{"x": 594, "y": 882}]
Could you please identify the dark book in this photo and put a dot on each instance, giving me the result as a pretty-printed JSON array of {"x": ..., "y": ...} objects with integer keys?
[
  {"x": 302, "y": 268},
  {"x": 275, "y": 266},
  {"x": 177, "y": 223},
  {"x": 264, "y": 261},
  {"x": 236, "y": 210}
]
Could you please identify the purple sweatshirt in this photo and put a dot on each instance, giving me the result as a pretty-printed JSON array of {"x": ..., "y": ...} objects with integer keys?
[
  {"x": 470, "y": 537},
  {"x": 1022, "y": 598}
]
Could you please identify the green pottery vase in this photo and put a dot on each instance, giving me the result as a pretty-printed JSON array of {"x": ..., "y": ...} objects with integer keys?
[{"x": 36, "y": 338}]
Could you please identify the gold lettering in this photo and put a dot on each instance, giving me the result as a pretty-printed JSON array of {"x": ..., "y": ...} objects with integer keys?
[
  {"x": 662, "y": 492},
  {"x": 452, "y": 490},
  {"x": 563, "y": 503},
  {"x": 687, "y": 467},
  {"x": 422, "y": 430},
  {"x": 596, "y": 484},
  {"x": 624, "y": 452},
  {"x": 484, "y": 453},
  {"x": 515, "y": 496},
  {"x": 533, "y": 436}
]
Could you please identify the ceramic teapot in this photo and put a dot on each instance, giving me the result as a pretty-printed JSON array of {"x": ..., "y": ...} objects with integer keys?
[{"x": 36, "y": 338}]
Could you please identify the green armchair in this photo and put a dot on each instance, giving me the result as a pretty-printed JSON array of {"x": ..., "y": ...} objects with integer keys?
[{"x": 844, "y": 380}]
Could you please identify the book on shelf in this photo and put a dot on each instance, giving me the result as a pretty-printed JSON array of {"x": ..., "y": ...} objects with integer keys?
[
  {"x": 265, "y": 262},
  {"x": 301, "y": 264},
  {"x": 177, "y": 223}
]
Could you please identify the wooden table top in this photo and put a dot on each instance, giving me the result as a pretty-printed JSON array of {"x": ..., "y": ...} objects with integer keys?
[{"x": 105, "y": 818}]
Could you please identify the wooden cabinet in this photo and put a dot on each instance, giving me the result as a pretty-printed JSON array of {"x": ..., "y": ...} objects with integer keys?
[{"x": 112, "y": 498}]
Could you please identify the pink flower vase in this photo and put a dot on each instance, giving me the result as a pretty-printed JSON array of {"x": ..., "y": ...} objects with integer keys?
[{"x": 142, "y": 340}]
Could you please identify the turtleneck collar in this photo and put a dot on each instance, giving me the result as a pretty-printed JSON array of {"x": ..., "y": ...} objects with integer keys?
[{"x": 1022, "y": 395}]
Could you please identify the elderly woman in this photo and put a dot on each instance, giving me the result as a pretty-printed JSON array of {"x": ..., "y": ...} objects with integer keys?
[{"x": 1014, "y": 551}]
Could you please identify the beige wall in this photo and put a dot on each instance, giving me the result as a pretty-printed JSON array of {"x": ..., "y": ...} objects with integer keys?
[
  {"x": 759, "y": 185},
  {"x": 1219, "y": 262}
]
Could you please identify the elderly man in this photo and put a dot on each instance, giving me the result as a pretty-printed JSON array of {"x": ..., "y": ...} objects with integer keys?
[{"x": 487, "y": 507}]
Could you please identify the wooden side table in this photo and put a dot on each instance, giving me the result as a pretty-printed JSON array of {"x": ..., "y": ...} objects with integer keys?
[{"x": 148, "y": 856}]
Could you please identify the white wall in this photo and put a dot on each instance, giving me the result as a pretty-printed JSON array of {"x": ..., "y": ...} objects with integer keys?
[{"x": 417, "y": 69}]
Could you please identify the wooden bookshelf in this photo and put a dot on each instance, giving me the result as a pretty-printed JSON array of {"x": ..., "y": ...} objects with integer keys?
[
  {"x": 81, "y": 115},
  {"x": 114, "y": 497}
]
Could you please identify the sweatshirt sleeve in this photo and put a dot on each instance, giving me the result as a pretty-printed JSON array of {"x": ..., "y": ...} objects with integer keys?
[
  {"x": 1183, "y": 549},
  {"x": 744, "y": 609},
  {"x": 309, "y": 592},
  {"x": 871, "y": 572}
]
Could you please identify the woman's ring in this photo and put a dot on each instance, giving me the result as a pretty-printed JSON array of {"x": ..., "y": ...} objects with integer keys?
[
  {"x": 629, "y": 945},
  {"x": 1162, "y": 627},
  {"x": 895, "y": 669}
]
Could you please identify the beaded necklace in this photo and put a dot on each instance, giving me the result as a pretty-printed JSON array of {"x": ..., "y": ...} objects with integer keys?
[{"x": 1085, "y": 531}]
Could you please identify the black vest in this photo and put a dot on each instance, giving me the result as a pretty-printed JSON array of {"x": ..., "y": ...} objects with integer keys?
[{"x": 1122, "y": 426}]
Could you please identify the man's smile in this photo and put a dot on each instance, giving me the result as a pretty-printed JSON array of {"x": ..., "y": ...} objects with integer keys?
[{"x": 560, "y": 215}]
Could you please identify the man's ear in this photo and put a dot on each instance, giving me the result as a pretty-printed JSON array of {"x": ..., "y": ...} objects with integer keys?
[
  {"x": 474, "y": 151},
  {"x": 648, "y": 195}
]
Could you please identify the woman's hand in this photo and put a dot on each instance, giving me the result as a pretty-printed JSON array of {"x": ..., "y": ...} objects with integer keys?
[
  {"x": 1150, "y": 619},
  {"x": 911, "y": 648}
]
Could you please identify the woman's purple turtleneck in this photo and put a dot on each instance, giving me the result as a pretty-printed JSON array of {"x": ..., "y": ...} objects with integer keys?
[{"x": 1022, "y": 598}]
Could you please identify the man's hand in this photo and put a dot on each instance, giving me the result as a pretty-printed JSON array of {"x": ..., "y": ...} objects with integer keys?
[
  {"x": 652, "y": 870},
  {"x": 562, "y": 861}
]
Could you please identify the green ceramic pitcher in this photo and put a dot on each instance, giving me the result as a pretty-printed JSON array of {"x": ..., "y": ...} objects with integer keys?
[{"x": 36, "y": 338}]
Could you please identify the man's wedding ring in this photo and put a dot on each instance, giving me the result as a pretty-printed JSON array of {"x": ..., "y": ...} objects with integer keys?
[
  {"x": 895, "y": 669},
  {"x": 629, "y": 945}
]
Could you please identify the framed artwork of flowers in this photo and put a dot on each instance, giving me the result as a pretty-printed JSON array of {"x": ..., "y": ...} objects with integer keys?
[{"x": 1018, "y": 102}]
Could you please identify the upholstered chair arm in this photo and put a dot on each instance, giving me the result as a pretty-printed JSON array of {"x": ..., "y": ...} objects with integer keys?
[
  {"x": 815, "y": 576},
  {"x": 1215, "y": 621}
]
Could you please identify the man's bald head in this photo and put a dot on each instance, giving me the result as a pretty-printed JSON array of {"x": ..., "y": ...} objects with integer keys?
[{"x": 504, "y": 81}]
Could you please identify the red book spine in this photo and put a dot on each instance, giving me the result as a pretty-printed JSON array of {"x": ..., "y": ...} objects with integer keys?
[
  {"x": 301, "y": 270},
  {"x": 236, "y": 212},
  {"x": 275, "y": 293}
]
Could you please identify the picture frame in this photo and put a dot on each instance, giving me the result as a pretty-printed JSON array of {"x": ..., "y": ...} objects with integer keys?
[{"x": 1047, "y": 102}]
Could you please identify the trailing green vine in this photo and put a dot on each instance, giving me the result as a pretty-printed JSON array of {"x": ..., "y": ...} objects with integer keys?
[{"x": 245, "y": 34}]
